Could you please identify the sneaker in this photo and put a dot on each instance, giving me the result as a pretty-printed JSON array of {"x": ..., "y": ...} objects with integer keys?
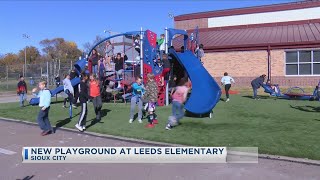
[
  {"x": 155, "y": 121},
  {"x": 83, "y": 127},
  {"x": 140, "y": 121},
  {"x": 74, "y": 106},
  {"x": 78, "y": 127},
  {"x": 46, "y": 132},
  {"x": 227, "y": 100},
  {"x": 130, "y": 120},
  {"x": 149, "y": 125},
  {"x": 64, "y": 106},
  {"x": 168, "y": 127}
]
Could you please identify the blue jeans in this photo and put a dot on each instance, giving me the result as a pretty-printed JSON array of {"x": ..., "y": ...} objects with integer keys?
[
  {"x": 43, "y": 120},
  {"x": 23, "y": 97},
  {"x": 177, "y": 110},
  {"x": 255, "y": 92},
  {"x": 95, "y": 69},
  {"x": 161, "y": 53},
  {"x": 119, "y": 73},
  {"x": 136, "y": 100}
]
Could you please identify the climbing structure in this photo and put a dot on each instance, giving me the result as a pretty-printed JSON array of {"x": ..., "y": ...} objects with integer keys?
[{"x": 150, "y": 65}]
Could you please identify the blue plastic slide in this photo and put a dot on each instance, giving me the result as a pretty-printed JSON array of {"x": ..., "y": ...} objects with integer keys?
[
  {"x": 205, "y": 90},
  {"x": 74, "y": 82}
]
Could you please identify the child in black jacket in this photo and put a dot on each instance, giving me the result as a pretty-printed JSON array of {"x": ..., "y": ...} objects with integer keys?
[{"x": 83, "y": 97}]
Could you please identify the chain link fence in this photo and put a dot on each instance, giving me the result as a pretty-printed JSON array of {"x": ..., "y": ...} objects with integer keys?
[{"x": 9, "y": 74}]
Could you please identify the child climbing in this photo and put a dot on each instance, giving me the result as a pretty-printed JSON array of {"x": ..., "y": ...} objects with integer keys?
[
  {"x": 151, "y": 96},
  {"x": 102, "y": 68},
  {"x": 226, "y": 81},
  {"x": 161, "y": 45},
  {"x": 166, "y": 69},
  {"x": 94, "y": 92},
  {"x": 109, "y": 52},
  {"x": 93, "y": 62},
  {"x": 179, "y": 96},
  {"x": 199, "y": 52},
  {"x": 137, "y": 93},
  {"x": 136, "y": 43}
]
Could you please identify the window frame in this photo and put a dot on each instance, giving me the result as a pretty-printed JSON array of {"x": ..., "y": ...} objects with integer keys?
[{"x": 312, "y": 62}]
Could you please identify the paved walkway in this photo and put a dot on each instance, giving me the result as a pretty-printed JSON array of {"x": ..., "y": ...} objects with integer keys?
[
  {"x": 16, "y": 135},
  {"x": 7, "y": 98}
]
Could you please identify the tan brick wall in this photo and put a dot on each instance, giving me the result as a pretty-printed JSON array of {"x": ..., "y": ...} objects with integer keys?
[
  {"x": 277, "y": 63},
  {"x": 191, "y": 24},
  {"x": 244, "y": 66},
  {"x": 237, "y": 64}
]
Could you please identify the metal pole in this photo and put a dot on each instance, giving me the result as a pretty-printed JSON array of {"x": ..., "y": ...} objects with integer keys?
[
  {"x": 7, "y": 70},
  {"x": 166, "y": 39},
  {"x": 47, "y": 72},
  {"x": 25, "y": 61},
  {"x": 141, "y": 53},
  {"x": 167, "y": 83},
  {"x": 25, "y": 55}
]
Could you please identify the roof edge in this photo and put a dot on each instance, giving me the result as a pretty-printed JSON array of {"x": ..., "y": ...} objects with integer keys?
[
  {"x": 254, "y": 47},
  {"x": 249, "y": 10},
  {"x": 257, "y": 25}
]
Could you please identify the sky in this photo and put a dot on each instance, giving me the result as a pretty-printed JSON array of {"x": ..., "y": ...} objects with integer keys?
[{"x": 81, "y": 21}]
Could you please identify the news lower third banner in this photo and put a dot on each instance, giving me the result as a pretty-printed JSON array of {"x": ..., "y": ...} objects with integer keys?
[{"x": 139, "y": 155}]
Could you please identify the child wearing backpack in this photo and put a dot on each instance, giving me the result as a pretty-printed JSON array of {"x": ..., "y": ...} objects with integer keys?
[
  {"x": 151, "y": 96},
  {"x": 179, "y": 96}
]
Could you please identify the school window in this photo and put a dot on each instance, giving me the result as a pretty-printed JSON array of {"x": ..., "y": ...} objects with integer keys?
[{"x": 304, "y": 62}]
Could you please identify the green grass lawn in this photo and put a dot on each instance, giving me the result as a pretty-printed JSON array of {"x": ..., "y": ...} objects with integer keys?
[{"x": 277, "y": 127}]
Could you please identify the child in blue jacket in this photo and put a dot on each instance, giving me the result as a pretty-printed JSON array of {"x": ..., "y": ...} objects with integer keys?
[{"x": 137, "y": 93}]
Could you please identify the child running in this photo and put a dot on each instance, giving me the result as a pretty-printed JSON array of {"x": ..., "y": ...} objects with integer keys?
[
  {"x": 94, "y": 91},
  {"x": 179, "y": 96},
  {"x": 83, "y": 97},
  {"x": 68, "y": 89},
  {"x": 44, "y": 103},
  {"x": 151, "y": 96},
  {"x": 226, "y": 81},
  {"x": 137, "y": 93}
]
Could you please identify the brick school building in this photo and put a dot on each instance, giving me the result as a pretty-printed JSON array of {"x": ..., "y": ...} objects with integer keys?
[{"x": 280, "y": 40}]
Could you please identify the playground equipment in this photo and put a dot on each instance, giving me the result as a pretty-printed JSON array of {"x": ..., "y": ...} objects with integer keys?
[
  {"x": 205, "y": 90},
  {"x": 276, "y": 92}
]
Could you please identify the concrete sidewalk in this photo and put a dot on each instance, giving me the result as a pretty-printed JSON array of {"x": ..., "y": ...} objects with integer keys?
[{"x": 17, "y": 135}]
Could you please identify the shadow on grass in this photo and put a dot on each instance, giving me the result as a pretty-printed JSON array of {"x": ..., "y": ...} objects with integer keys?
[
  {"x": 56, "y": 102},
  {"x": 316, "y": 119},
  {"x": 104, "y": 112},
  {"x": 261, "y": 97},
  {"x": 61, "y": 123},
  {"x": 190, "y": 114},
  {"x": 306, "y": 108},
  {"x": 210, "y": 127},
  {"x": 27, "y": 178}
]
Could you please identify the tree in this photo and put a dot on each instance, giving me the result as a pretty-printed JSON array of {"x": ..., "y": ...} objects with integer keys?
[
  {"x": 60, "y": 48},
  {"x": 87, "y": 46},
  {"x": 32, "y": 53},
  {"x": 10, "y": 59}
]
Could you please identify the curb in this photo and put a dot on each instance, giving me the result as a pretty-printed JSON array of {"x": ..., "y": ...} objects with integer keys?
[{"x": 155, "y": 143}]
